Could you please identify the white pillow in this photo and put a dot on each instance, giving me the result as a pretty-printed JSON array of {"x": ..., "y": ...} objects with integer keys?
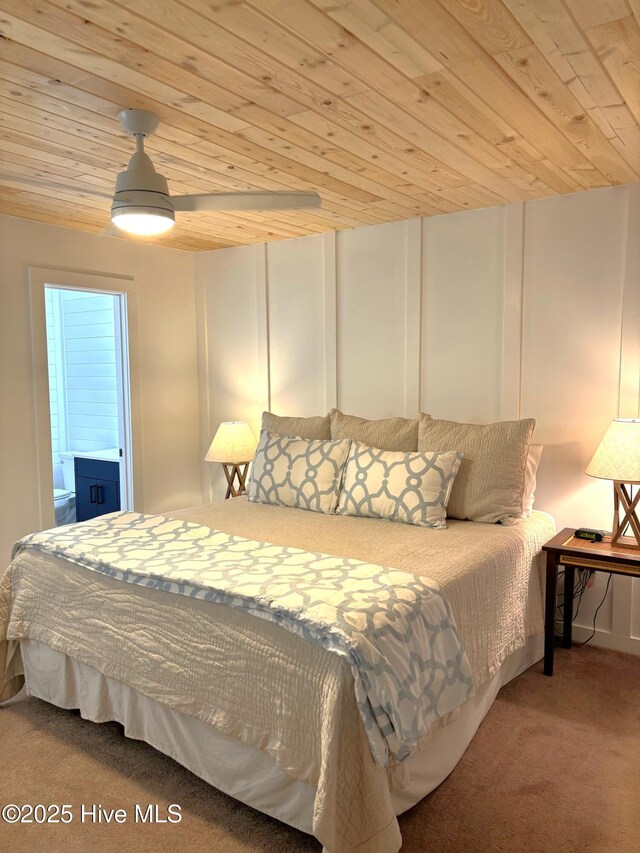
[
  {"x": 410, "y": 487},
  {"x": 298, "y": 472}
]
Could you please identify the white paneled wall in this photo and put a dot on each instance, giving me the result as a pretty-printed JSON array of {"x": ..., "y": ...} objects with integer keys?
[
  {"x": 462, "y": 299},
  {"x": 573, "y": 286},
  {"x": 523, "y": 310},
  {"x": 371, "y": 265},
  {"x": 296, "y": 347}
]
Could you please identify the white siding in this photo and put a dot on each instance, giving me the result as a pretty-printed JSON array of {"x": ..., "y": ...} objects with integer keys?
[
  {"x": 82, "y": 371},
  {"x": 90, "y": 366},
  {"x": 55, "y": 401}
]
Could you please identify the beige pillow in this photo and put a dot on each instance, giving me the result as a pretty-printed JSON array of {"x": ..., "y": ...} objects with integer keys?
[
  {"x": 318, "y": 427},
  {"x": 385, "y": 434},
  {"x": 491, "y": 481}
]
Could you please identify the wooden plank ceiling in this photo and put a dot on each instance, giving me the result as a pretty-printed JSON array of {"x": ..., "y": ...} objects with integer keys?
[{"x": 388, "y": 108}]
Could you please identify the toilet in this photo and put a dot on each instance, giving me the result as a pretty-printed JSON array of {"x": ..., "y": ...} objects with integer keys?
[
  {"x": 64, "y": 503},
  {"x": 64, "y": 499}
]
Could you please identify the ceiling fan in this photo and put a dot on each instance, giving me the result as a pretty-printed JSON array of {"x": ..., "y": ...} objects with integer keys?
[{"x": 142, "y": 204}]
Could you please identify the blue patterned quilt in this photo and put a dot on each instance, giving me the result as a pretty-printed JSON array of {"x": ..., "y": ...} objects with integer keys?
[{"x": 395, "y": 629}]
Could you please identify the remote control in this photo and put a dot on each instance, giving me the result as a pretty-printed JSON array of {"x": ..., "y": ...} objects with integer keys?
[{"x": 590, "y": 534}]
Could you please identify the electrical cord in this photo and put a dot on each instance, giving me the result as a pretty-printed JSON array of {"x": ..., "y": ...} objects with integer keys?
[
  {"x": 584, "y": 577},
  {"x": 580, "y": 584},
  {"x": 595, "y": 615}
]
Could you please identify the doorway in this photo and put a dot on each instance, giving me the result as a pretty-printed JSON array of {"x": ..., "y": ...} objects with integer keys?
[{"x": 89, "y": 405}]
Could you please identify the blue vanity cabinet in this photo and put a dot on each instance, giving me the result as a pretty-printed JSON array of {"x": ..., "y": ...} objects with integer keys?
[{"x": 97, "y": 487}]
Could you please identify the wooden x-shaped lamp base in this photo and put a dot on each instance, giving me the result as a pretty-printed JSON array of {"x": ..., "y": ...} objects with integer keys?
[
  {"x": 238, "y": 471},
  {"x": 622, "y": 499}
]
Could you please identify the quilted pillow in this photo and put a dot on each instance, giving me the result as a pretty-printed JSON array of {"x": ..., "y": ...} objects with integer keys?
[
  {"x": 318, "y": 427},
  {"x": 387, "y": 433},
  {"x": 409, "y": 487},
  {"x": 490, "y": 484},
  {"x": 299, "y": 472}
]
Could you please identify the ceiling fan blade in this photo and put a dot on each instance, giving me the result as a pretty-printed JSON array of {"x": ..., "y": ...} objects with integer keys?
[
  {"x": 52, "y": 185},
  {"x": 259, "y": 200}
]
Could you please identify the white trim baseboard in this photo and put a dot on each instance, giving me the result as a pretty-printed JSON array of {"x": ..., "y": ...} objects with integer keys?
[{"x": 607, "y": 640}]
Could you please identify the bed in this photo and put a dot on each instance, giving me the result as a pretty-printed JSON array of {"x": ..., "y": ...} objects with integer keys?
[{"x": 257, "y": 711}]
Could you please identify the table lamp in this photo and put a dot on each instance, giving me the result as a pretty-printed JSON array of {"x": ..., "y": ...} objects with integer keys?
[
  {"x": 618, "y": 458},
  {"x": 233, "y": 445}
]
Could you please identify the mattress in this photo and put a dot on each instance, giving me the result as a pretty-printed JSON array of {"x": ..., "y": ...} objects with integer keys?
[
  {"x": 485, "y": 570},
  {"x": 271, "y": 690}
]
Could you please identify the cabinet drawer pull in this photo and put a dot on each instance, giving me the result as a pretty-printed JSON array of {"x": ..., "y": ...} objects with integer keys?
[
  {"x": 100, "y": 491},
  {"x": 93, "y": 494}
]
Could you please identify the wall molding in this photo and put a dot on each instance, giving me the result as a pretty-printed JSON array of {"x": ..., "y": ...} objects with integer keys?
[
  {"x": 629, "y": 395},
  {"x": 512, "y": 312},
  {"x": 204, "y": 379},
  {"x": 625, "y": 593},
  {"x": 413, "y": 318},
  {"x": 330, "y": 320},
  {"x": 262, "y": 302}
]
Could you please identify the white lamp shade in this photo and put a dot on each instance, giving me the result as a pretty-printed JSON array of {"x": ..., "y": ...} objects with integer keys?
[
  {"x": 233, "y": 443},
  {"x": 618, "y": 454}
]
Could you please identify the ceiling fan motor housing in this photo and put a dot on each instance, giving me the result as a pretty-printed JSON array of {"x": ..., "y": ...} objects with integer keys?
[{"x": 140, "y": 189}]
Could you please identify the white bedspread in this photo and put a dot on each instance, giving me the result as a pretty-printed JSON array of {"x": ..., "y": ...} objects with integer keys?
[
  {"x": 394, "y": 628},
  {"x": 257, "y": 682}
]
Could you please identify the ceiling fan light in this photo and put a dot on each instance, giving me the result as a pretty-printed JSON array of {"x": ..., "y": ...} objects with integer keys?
[
  {"x": 141, "y": 203},
  {"x": 143, "y": 223}
]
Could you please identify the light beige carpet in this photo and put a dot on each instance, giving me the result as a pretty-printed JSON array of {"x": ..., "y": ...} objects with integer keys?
[{"x": 554, "y": 768}]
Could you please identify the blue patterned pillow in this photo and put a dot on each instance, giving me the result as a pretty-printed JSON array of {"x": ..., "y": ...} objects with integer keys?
[
  {"x": 409, "y": 487},
  {"x": 299, "y": 472}
]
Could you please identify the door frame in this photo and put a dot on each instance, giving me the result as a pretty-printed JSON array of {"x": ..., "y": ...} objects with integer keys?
[{"x": 131, "y": 464}]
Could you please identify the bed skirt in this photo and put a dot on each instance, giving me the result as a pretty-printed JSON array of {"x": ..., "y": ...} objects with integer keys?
[{"x": 237, "y": 769}]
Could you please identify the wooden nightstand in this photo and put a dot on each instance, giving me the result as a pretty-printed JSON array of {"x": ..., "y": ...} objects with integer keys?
[{"x": 566, "y": 552}]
